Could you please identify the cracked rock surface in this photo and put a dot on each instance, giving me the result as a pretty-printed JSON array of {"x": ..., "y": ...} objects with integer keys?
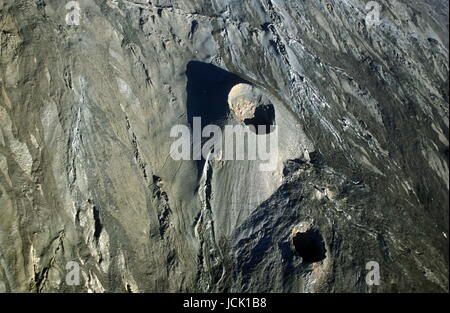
[{"x": 86, "y": 173}]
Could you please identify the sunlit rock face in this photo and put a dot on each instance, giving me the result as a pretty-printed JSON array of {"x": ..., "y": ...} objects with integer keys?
[
  {"x": 87, "y": 182},
  {"x": 241, "y": 102}
]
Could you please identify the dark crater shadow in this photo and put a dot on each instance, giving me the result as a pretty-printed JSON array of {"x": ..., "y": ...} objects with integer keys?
[
  {"x": 264, "y": 116},
  {"x": 310, "y": 246},
  {"x": 207, "y": 89}
]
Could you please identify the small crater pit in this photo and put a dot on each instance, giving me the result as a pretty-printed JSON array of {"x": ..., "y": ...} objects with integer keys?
[
  {"x": 310, "y": 245},
  {"x": 263, "y": 119}
]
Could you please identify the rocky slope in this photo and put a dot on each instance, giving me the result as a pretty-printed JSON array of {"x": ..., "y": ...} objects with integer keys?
[{"x": 86, "y": 173}]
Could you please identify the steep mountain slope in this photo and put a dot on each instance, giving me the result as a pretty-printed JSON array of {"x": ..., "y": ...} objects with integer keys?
[{"x": 86, "y": 172}]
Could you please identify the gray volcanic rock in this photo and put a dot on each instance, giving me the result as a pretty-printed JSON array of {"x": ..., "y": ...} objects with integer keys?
[{"x": 86, "y": 172}]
